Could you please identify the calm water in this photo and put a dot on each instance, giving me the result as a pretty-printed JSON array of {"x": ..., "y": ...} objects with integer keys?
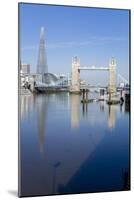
[{"x": 68, "y": 148}]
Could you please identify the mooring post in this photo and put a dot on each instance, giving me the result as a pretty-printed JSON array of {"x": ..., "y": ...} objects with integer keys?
[
  {"x": 127, "y": 102},
  {"x": 127, "y": 98},
  {"x": 121, "y": 98},
  {"x": 109, "y": 96},
  {"x": 121, "y": 93},
  {"x": 83, "y": 94}
]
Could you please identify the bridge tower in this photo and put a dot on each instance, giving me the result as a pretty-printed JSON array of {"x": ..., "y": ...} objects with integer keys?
[
  {"x": 75, "y": 83},
  {"x": 112, "y": 77}
]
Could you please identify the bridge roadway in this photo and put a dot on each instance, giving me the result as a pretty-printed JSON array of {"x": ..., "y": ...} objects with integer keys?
[
  {"x": 94, "y": 68},
  {"x": 102, "y": 87},
  {"x": 92, "y": 87}
]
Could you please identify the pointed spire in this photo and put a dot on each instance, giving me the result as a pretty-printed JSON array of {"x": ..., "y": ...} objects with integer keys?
[{"x": 42, "y": 59}]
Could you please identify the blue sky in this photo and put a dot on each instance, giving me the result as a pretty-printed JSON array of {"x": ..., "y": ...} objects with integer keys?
[{"x": 95, "y": 35}]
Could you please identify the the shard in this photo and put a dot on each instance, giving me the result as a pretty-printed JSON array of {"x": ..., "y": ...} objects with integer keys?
[{"x": 42, "y": 60}]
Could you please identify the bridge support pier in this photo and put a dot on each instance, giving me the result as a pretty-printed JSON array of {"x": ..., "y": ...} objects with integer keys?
[
  {"x": 87, "y": 91},
  {"x": 85, "y": 96}
]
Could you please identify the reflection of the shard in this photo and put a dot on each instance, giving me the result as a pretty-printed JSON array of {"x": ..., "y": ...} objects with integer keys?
[
  {"x": 41, "y": 109},
  {"x": 75, "y": 110},
  {"x": 111, "y": 116},
  {"x": 28, "y": 103}
]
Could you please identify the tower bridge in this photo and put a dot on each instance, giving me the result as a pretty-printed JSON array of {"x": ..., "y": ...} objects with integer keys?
[{"x": 76, "y": 68}]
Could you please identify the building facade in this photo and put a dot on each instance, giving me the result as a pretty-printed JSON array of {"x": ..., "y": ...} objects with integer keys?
[{"x": 25, "y": 69}]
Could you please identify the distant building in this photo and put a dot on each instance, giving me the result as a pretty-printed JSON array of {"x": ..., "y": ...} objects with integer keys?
[
  {"x": 42, "y": 58},
  {"x": 25, "y": 69}
]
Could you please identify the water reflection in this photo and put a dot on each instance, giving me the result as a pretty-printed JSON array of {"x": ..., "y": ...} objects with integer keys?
[
  {"x": 111, "y": 116},
  {"x": 102, "y": 106},
  {"x": 41, "y": 116},
  {"x": 38, "y": 105},
  {"x": 85, "y": 109},
  {"x": 26, "y": 105},
  {"x": 91, "y": 160},
  {"x": 75, "y": 110}
]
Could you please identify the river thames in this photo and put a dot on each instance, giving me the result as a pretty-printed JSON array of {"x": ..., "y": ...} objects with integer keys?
[{"x": 67, "y": 147}]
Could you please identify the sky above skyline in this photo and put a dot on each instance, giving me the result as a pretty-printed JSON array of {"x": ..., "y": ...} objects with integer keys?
[{"x": 94, "y": 35}]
